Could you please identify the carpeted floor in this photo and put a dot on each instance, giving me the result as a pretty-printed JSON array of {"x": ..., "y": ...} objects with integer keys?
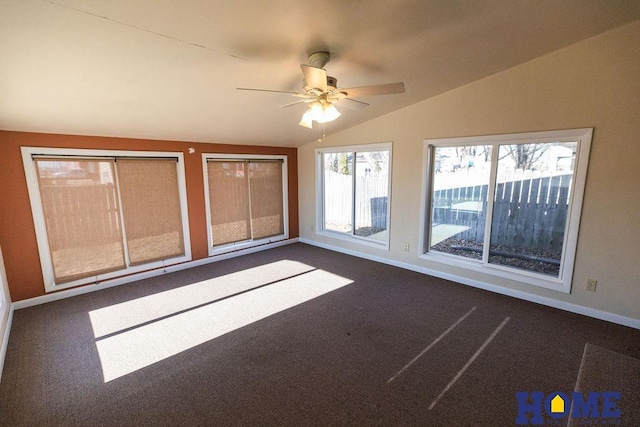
[
  {"x": 607, "y": 371},
  {"x": 295, "y": 335}
]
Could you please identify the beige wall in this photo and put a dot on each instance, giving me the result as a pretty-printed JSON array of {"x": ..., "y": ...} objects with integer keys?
[{"x": 595, "y": 83}]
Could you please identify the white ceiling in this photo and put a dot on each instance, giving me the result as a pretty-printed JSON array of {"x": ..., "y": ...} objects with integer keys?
[{"x": 168, "y": 69}]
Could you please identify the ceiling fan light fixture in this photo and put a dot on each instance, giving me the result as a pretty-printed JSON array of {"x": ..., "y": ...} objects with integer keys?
[
  {"x": 306, "y": 121},
  {"x": 330, "y": 113},
  {"x": 320, "y": 112},
  {"x": 315, "y": 111},
  {"x": 324, "y": 112}
]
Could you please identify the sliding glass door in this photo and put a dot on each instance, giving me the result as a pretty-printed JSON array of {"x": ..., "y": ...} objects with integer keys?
[
  {"x": 103, "y": 214},
  {"x": 246, "y": 200},
  {"x": 5, "y": 300},
  {"x": 151, "y": 209},
  {"x": 82, "y": 216}
]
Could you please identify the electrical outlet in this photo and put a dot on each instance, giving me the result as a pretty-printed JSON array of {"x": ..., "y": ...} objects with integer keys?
[
  {"x": 592, "y": 284},
  {"x": 405, "y": 247}
]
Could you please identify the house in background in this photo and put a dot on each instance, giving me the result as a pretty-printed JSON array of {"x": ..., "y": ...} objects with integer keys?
[{"x": 114, "y": 78}]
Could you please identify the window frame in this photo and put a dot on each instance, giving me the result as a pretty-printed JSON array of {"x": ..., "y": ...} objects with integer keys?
[
  {"x": 562, "y": 283},
  {"x": 5, "y": 300},
  {"x": 235, "y": 246},
  {"x": 319, "y": 227},
  {"x": 46, "y": 261}
]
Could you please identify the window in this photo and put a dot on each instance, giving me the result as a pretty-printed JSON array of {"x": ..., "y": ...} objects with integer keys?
[
  {"x": 4, "y": 295},
  {"x": 246, "y": 199},
  {"x": 103, "y": 214},
  {"x": 353, "y": 192},
  {"x": 507, "y": 205}
]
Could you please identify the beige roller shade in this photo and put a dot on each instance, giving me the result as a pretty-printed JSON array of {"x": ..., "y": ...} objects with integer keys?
[
  {"x": 229, "y": 201},
  {"x": 151, "y": 209},
  {"x": 82, "y": 216},
  {"x": 266, "y": 198}
]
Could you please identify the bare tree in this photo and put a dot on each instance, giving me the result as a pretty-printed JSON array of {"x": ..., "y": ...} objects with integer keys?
[
  {"x": 486, "y": 151},
  {"x": 331, "y": 162},
  {"x": 525, "y": 155},
  {"x": 465, "y": 152}
]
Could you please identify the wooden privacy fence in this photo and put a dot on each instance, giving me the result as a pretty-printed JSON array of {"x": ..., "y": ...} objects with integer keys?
[
  {"x": 74, "y": 213},
  {"x": 370, "y": 199},
  {"x": 527, "y": 213}
]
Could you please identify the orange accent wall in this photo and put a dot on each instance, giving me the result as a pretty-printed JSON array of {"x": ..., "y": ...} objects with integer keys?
[{"x": 17, "y": 232}]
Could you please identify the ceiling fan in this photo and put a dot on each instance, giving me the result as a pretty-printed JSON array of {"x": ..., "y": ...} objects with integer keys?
[{"x": 320, "y": 91}]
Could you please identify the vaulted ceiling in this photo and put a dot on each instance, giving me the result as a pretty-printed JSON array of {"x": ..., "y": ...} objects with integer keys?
[{"x": 169, "y": 69}]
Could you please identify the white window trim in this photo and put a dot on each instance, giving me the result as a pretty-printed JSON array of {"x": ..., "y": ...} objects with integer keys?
[
  {"x": 231, "y": 247},
  {"x": 5, "y": 299},
  {"x": 39, "y": 221},
  {"x": 320, "y": 230},
  {"x": 561, "y": 283}
]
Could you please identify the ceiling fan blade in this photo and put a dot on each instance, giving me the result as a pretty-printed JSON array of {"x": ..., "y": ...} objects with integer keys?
[
  {"x": 386, "y": 89},
  {"x": 294, "y": 103},
  {"x": 267, "y": 90},
  {"x": 351, "y": 104},
  {"x": 315, "y": 77}
]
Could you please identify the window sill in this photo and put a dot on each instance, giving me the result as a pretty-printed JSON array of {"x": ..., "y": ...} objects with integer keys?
[
  {"x": 93, "y": 280},
  {"x": 476, "y": 266}
]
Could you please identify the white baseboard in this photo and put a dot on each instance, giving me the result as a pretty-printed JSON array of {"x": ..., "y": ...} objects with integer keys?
[
  {"x": 5, "y": 339},
  {"x": 144, "y": 275},
  {"x": 550, "y": 302}
]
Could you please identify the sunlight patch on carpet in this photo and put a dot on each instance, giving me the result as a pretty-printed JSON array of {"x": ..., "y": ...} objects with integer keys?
[
  {"x": 118, "y": 317},
  {"x": 135, "y": 348}
]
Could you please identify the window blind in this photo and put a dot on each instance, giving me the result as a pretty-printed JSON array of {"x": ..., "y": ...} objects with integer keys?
[
  {"x": 82, "y": 217},
  {"x": 151, "y": 209},
  {"x": 229, "y": 201},
  {"x": 245, "y": 199}
]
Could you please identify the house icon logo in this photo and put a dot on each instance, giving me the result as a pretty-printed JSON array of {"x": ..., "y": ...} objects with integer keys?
[{"x": 557, "y": 405}]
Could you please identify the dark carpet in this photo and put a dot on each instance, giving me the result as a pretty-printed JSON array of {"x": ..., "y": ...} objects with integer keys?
[
  {"x": 393, "y": 347},
  {"x": 609, "y": 371}
]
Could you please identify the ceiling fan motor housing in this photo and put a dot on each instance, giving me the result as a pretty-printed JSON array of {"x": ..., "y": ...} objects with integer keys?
[
  {"x": 319, "y": 59},
  {"x": 332, "y": 83}
]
